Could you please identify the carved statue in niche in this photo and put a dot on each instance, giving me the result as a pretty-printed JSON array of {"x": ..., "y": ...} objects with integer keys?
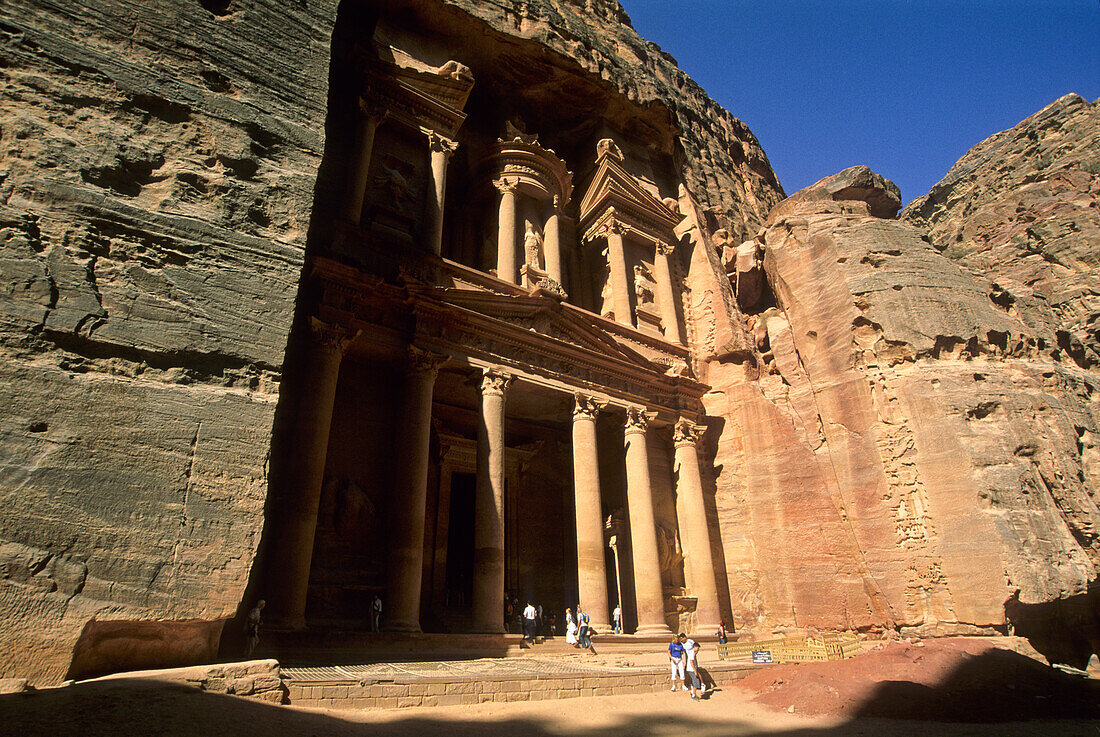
[
  {"x": 644, "y": 285},
  {"x": 392, "y": 190},
  {"x": 668, "y": 551},
  {"x": 607, "y": 304},
  {"x": 532, "y": 247}
]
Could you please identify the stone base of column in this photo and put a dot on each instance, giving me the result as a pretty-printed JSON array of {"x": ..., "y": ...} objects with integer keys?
[
  {"x": 653, "y": 629},
  {"x": 488, "y": 629},
  {"x": 400, "y": 626},
  {"x": 602, "y": 629}
]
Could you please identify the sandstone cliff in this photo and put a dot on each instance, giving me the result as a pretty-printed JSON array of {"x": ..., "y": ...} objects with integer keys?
[
  {"x": 159, "y": 164},
  {"x": 916, "y": 448}
]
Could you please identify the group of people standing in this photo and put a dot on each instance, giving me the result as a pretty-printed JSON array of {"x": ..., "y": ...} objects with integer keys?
[
  {"x": 683, "y": 659},
  {"x": 578, "y": 630}
]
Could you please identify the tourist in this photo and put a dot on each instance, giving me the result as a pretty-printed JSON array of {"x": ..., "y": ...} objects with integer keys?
[
  {"x": 584, "y": 630},
  {"x": 617, "y": 619},
  {"x": 676, "y": 662},
  {"x": 252, "y": 628},
  {"x": 721, "y": 633},
  {"x": 529, "y": 616},
  {"x": 570, "y": 629},
  {"x": 691, "y": 661},
  {"x": 376, "y": 614}
]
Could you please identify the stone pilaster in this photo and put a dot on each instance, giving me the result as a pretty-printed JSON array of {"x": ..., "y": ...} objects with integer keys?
[
  {"x": 405, "y": 565},
  {"x": 694, "y": 532},
  {"x": 440, "y": 150},
  {"x": 552, "y": 245},
  {"x": 643, "y": 527},
  {"x": 616, "y": 261},
  {"x": 506, "y": 230},
  {"x": 371, "y": 115},
  {"x": 666, "y": 291},
  {"x": 299, "y": 489},
  {"x": 591, "y": 571},
  {"x": 488, "y": 604}
]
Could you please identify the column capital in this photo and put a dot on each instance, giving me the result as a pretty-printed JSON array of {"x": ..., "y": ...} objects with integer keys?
[
  {"x": 421, "y": 361},
  {"x": 330, "y": 338},
  {"x": 637, "y": 419},
  {"x": 495, "y": 381},
  {"x": 372, "y": 108},
  {"x": 438, "y": 142},
  {"x": 686, "y": 432},
  {"x": 665, "y": 249},
  {"x": 505, "y": 185},
  {"x": 586, "y": 407}
]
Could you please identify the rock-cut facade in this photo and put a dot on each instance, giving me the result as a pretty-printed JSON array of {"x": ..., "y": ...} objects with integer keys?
[{"x": 464, "y": 305}]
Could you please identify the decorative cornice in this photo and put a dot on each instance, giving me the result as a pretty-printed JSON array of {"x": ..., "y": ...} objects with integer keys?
[{"x": 537, "y": 168}]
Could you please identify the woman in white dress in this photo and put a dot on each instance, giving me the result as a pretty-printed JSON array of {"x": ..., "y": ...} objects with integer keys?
[{"x": 570, "y": 628}]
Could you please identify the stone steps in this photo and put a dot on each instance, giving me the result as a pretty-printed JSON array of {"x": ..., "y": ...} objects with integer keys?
[{"x": 407, "y": 685}]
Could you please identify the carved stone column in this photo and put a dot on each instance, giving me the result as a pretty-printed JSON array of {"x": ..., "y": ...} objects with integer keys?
[
  {"x": 506, "y": 230},
  {"x": 667, "y": 293},
  {"x": 405, "y": 566},
  {"x": 694, "y": 531},
  {"x": 616, "y": 261},
  {"x": 591, "y": 572},
  {"x": 287, "y": 567},
  {"x": 488, "y": 602},
  {"x": 552, "y": 246},
  {"x": 440, "y": 149},
  {"x": 370, "y": 117},
  {"x": 643, "y": 528}
]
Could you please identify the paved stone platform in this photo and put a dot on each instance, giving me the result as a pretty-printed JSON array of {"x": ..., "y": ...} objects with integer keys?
[{"x": 441, "y": 683}]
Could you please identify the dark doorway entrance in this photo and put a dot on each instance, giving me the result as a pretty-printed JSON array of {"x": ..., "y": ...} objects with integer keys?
[{"x": 460, "y": 542}]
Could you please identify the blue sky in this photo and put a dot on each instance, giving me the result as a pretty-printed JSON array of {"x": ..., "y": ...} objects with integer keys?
[{"x": 905, "y": 87}]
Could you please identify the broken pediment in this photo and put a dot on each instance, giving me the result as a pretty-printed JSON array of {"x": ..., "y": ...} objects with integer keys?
[{"x": 614, "y": 194}]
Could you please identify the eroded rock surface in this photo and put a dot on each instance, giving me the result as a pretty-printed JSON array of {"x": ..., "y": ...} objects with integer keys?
[
  {"x": 157, "y": 168},
  {"x": 1021, "y": 208},
  {"x": 910, "y": 453}
]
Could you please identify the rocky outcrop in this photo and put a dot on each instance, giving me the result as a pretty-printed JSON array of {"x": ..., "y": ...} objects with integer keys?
[
  {"x": 1021, "y": 209},
  {"x": 908, "y": 452}
]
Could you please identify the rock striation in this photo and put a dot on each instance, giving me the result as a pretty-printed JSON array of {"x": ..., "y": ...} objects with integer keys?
[{"x": 935, "y": 438}]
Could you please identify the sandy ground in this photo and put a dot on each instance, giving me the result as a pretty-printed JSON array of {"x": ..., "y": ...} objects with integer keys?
[{"x": 951, "y": 681}]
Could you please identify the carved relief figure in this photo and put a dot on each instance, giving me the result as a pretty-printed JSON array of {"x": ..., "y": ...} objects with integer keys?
[
  {"x": 532, "y": 247},
  {"x": 668, "y": 550},
  {"x": 391, "y": 190},
  {"x": 644, "y": 285}
]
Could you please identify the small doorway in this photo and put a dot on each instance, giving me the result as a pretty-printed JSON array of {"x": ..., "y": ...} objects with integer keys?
[{"x": 460, "y": 545}]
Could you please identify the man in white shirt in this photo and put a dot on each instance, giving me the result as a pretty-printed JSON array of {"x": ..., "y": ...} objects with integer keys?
[
  {"x": 529, "y": 615},
  {"x": 617, "y": 619},
  {"x": 691, "y": 657}
]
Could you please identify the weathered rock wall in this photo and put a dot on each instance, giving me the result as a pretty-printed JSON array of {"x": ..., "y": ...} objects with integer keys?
[
  {"x": 157, "y": 168},
  {"x": 910, "y": 451}
]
